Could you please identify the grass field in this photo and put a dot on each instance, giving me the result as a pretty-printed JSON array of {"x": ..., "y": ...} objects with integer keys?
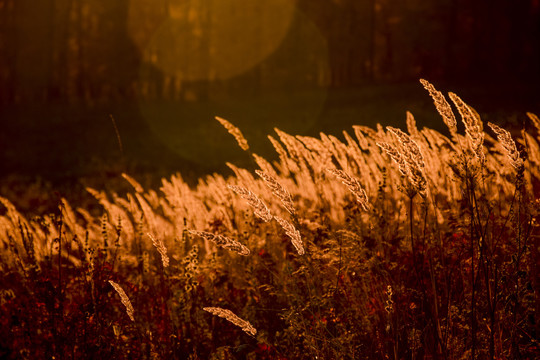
[{"x": 379, "y": 244}]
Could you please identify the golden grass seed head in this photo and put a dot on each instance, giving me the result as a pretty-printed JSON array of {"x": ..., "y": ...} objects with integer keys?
[
  {"x": 234, "y": 131},
  {"x": 278, "y": 190},
  {"x": 232, "y": 318},
  {"x": 138, "y": 188},
  {"x": 442, "y": 106},
  {"x": 260, "y": 209},
  {"x": 354, "y": 186},
  {"x": 508, "y": 144},
  {"x": 222, "y": 241},
  {"x": 535, "y": 120},
  {"x": 293, "y": 234},
  {"x": 125, "y": 300},
  {"x": 160, "y": 246}
]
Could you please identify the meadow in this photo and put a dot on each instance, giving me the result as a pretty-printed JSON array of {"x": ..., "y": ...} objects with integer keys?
[{"x": 384, "y": 245}]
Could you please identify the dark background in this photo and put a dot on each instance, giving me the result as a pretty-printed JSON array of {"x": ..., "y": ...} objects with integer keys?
[{"x": 162, "y": 69}]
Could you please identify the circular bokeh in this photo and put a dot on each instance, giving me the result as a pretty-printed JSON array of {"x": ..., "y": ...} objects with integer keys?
[
  {"x": 269, "y": 69},
  {"x": 216, "y": 39}
]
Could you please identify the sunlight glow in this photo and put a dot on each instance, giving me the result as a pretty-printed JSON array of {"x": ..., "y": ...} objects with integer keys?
[{"x": 215, "y": 40}]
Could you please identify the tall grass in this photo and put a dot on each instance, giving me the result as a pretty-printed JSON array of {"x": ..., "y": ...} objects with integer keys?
[{"x": 384, "y": 245}]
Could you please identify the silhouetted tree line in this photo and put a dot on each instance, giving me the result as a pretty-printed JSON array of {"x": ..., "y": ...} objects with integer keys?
[
  {"x": 393, "y": 40},
  {"x": 65, "y": 50},
  {"x": 89, "y": 51}
]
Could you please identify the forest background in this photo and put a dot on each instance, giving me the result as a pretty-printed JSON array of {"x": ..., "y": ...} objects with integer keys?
[{"x": 162, "y": 69}]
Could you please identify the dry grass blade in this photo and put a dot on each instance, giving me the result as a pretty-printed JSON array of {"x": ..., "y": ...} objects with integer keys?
[
  {"x": 409, "y": 160},
  {"x": 443, "y": 107},
  {"x": 160, "y": 246},
  {"x": 535, "y": 120},
  {"x": 411, "y": 125},
  {"x": 148, "y": 212},
  {"x": 409, "y": 148},
  {"x": 354, "y": 187},
  {"x": 124, "y": 298},
  {"x": 532, "y": 146},
  {"x": 234, "y": 131},
  {"x": 232, "y": 318},
  {"x": 292, "y": 233},
  {"x": 222, "y": 241},
  {"x": 509, "y": 145},
  {"x": 473, "y": 126},
  {"x": 278, "y": 190},
  {"x": 261, "y": 210},
  {"x": 264, "y": 164},
  {"x": 395, "y": 155},
  {"x": 138, "y": 188},
  {"x": 362, "y": 140}
]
